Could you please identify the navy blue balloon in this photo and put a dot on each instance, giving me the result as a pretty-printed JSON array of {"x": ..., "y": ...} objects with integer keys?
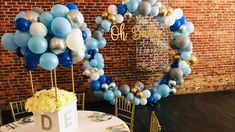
[
  {"x": 175, "y": 64},
  {"x": 151, "y": 99},
  {"x": 152, "y": 92},
  {"x": 65, "y": 58},
  {"x": 165, "y": 80},
  {"x": 31, "y": 57},
  {"x": 109, "y": 80},
  {"x": 68, "y": 64},
  {"x": 18, "y": 52},
  {"x": 95, "y": 85},
  {"x": 122, "y": 9},
  {"x": 175, "y": 26},
  {"x": 84, "y": 35},
  {"x": 30, "y": 66},
  {"x": 22, "y": 24},
  {"x": 72, "y": 6},
  {"x": 102, "y": 79},
  {"x": 183, "y": 20}
]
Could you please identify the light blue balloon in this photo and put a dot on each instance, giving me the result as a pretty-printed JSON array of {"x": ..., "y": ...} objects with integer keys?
[
  {"x": 46, "y": 18},
  {"x": 22, "y": 50},
  {"x": 132, "y": 5},
  {"x": 86, "y": 65},
  {"x": 8, "y": 41},
  {"x": 60, "y": 27},
  {"x": 93, "y": 62},
  {"x": 98, "y": 20},
  {"x": 37, "y": 44},
  {"x": 112, "y": 102},
  {"x": 154, "y": 11},
  {"x": 189, "y": 48},
  {"x": 108, "y": 95},
  {"x": 117, "y": 93},
  {"x": 99, "y": 57},
  {"x": 100, "y": 65},
  {"x": 185, "y": 55},
  {"x": 163, "y": 90},
  {"x": 157, "y": 96},
  {"x": 190, "y": 27},
  {"x": 106, "y": 24},
  {"x": 130, "y": 96},
  {"x": 22, "y": 38},
  {"x": 20, "y": 15},
  {"x": 92, "y": 43},
  {"x": 137, "y": 101},
  {"x": 102, "y": 42},
  {"x": 187, "y": 70},
  {"x": 59, "y": 10},
  {"x": 48, "y": 61},
  {"x": 98, "y": 94}
]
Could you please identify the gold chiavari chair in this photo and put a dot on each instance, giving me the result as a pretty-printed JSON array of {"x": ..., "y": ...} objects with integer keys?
[
  {"x": 17, "y": 109},
  {"x": 154, "y": 123},
  {"x": 125, "y": 109},
  {"x": 81, "y": 100}
]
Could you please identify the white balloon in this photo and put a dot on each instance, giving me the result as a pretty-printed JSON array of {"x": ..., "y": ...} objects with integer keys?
[
  {"x": 143, "y": 101},
  {"x": 95, "y": 76},
  {"x": 146, "y": 93},
  {"x": 78, "y": 55},
  {"x": 173, "y": 90},
  {"x": 105, "y": 86},
  {"x": 170, "y": 20},
  {"x": 101, "y": 72},
  {"x": 154, "y": 11},
  {"x": 38, "y": 29},
  {"x": 159, "y": 4},
  {"x": 87, "y": 72},
  {"x": 183, "y": 64},
  {"x": 119, "y": 18},
  {"x": 112, "y": 85},
  {"x": 74, "y": 40},
  {"x": 112, "y": 9},
  {"x": 178, "y": 13}
]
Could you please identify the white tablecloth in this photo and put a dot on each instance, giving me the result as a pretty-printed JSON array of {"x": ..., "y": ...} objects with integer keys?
[{"x": 85, "y": 124}]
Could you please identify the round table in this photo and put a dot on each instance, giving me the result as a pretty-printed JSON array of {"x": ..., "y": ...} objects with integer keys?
[{"x": 85, "y": 124}]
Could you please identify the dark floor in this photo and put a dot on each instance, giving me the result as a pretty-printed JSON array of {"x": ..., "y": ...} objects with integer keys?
[{"x": 207, "y": 112}]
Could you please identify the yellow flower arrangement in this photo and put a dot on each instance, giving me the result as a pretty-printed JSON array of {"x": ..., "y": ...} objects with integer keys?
[{"x": 45, "y": 100}]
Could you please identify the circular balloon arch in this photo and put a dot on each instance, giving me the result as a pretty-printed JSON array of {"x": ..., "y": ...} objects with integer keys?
[{"x": 170, "y": 18}]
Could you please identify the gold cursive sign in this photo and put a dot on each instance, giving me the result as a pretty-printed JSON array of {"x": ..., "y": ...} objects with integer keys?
[{"x": 117, "y": 32}]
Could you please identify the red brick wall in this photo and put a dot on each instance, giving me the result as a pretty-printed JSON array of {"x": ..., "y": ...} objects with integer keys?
[{"x": 213, "y": 42}]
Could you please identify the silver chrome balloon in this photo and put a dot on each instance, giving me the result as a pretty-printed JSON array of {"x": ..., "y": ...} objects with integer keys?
[
  {"x": 38, "y": 10},
  {"x": 145, "y": 8},
  {"x": 32, "y": 16},
  {"x": 78, "y": 55},
  {"x": 76, "y": 18},
  {"x": 57, "y": 45}
]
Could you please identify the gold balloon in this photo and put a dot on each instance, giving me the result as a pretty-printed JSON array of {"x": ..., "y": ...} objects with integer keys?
[
  {"x": 105, "y": 14},
  {"x": 163, "y": 11},
  {"x": 139, "y": 94},
  {"x": 111, "y": 17},
  {"x": 169, "y": 11},
  {"x": 177, "y": 57},
  {"x": 133, "y": 90},
  {"x": 192, "y": 60}
]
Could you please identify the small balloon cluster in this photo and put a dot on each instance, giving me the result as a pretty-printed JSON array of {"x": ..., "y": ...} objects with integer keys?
[
  {"x": 49, "y": 38},
  {"x": 168, "y": 17}
]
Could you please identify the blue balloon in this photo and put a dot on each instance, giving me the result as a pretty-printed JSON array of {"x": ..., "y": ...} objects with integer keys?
[
  {"x": 132, "y": 5},
  {"x": 151, "y": 99},
  {"x": 137, "y": 101},
  {"x": 86, "y": 65},
  {"x": 93, "y": 62},
  {"x": 163, "y": 90},
  {"x": 112, "y": 102},
  {"x": 109, "y": 80},
  {"x": 95, "y": 85},
  {"x": 100, "y": 65},
  {"x": 30, "y": 66},
  {"x": 72, "y": 6},
  {"x": 121, "y": 9},
  {"x": 108, "y": 95},
  {"x": 175, "y": 64},
  {"x": 19, "y": 15},
  {"x": 185, "y": 55},
  {"x": 165, "y": 80},
  {"x": 46, "y": 18},
  {"x": 130, "y": 96},
  {"x": 183, "y": 20},
  {"x": 117, "y": 93},
  {"x": 60, "y": 27},
  {"x": 157, "y": 96},
  {"x": 8, "y": 41},
  {"x": 22, "y": 24},
  {"x": 102, "y": 79},
  {"x": 92, "y": 43},
  {"x": 102, "y": 42},
  {"x": 18, "y": 52},
  {"x": 65, "y": 58},
  {"x": 22, "y": 38},
  {"x": 84, "y": 35},
  {"x": 48, "y": 61},
  {"x": 190, "y": 27},
  {"x": 59, "y": 10},
  {"x": 37, "y": 44},
  {"x": 31, "y": 57},
  {"x": 175, "y": 26},
  {"x": 106, "y": 24},
  {"x": 187, "y": 71}
]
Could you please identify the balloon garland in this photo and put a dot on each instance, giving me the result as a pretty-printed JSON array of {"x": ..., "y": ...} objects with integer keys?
[
  {"x": 49, "y": 38},
  {"x": 103, "y": 86}
]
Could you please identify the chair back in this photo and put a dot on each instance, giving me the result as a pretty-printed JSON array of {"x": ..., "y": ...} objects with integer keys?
[
  {"x": 125, "y": 109},
  {"x": 81, "y": 101},
  {"x": 1, "y": 120},
  {"x": 17, "y": 108},
  {"x": 154, "y": 123}
]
